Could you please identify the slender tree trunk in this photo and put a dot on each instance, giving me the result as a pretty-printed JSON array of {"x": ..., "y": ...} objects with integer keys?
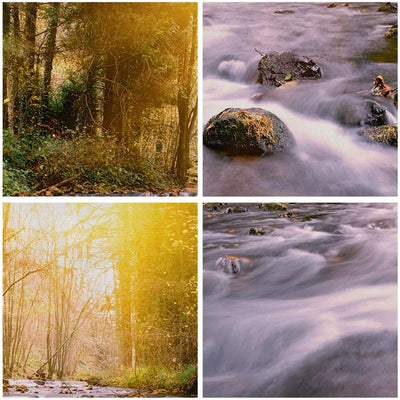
[
  {"x": 30, "y": 33},
  {"x": 91, "y": 97},
  {"x": 28, "y": 116},
  {"x": 6, "y": 33},
  {"x": 48, "y": 57},
  {"x": 16, "y": 62},
  {"x": 110, "y": 72},
  {"x": 112, "y": 116},
  {"x": 187, "y": 116}
]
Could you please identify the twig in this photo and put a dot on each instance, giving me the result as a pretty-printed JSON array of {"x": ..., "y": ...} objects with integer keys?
[
  {"x": 57, "y": 184},
  {"x": 23, "y": 277},
  {"x": 259, "y": 52}
]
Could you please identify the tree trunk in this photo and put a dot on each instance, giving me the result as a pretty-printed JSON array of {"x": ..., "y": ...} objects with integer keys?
[
  {"x": 110, "y": 72},
  {"x": 91, "y": 97},
  {"x": 6, "y": 33},
  {"x": 30, "y": 33},
  {"x": 28, "y": 116},
  {"x": 187, "y": 116},
  {"x": 16, "y": 62},
  {"x": 112, "y": 117},
  {"x": 48, "y": 57}
]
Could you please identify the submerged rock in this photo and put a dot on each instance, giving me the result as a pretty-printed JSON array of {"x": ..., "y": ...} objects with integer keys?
[
  {"x": 349, "y": 113},
  {"x": 228, "y": 264},
  {"x": 375, "y": 114},
  {"x": 213, "y": 206},
  {"x": 251, "y": 131},
  {"x": 272, "y": 206},
  {"x": 260, "y": 231},
  {"x": 274, "y": 68},
  {"x": 236, "y": 210},
  {"x": 392, "y": 32},
  {"x": 388, "y": 8},
  {"x": 334, "y": 5},
  {"x": 386, "y": 134},
  {"x": 284, "y": 12}
]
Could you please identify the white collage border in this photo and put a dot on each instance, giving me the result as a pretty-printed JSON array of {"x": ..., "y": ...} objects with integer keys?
[{"x": 200, "y": 199}]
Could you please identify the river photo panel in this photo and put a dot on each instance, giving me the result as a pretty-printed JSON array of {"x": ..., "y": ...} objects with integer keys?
[
  {"x": 300, "y": 99},
  {"x": 300, "y": 300}
]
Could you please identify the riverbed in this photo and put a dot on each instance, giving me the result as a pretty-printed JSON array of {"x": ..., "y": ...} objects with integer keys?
[
  {"x": 313, "y": 310},
  {"x": 67, "y": 388},
  {"x": 325, "y": 115}
]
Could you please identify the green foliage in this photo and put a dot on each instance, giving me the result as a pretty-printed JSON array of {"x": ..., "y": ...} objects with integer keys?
[
  {"x": 17, "y": 164},
  {"x": 66, "y": 102},
  {"x": 15, "y": 181},
  {"x": 159, "y": 381}
]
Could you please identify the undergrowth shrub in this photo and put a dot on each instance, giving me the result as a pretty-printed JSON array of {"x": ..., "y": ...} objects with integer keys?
[
  {"x": 159, "y": 380},
  {"x": 95, "y": 161}
]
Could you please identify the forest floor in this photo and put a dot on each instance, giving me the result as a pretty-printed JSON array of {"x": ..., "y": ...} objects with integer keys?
[
  {"x": 74, "y": 389},
  {"x": 42, "y": 166}
]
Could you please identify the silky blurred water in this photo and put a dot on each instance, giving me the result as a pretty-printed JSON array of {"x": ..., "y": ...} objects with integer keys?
[
  {"x": 313, "y": 311},
  {"x": 324, "y": 115}
]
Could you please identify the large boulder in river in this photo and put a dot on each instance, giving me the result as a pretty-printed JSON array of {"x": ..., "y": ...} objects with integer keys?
[
  {"x": 386, "y": 134},
  {"x": 356, "y": 113},
  {"x": 275, "y": 69},
  {"x": 251, "y": 131}
]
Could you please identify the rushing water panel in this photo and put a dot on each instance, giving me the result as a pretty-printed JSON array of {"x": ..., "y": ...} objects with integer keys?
[
  {"x": 300, "y": 300},
  {"x": 324, "y": 115}
]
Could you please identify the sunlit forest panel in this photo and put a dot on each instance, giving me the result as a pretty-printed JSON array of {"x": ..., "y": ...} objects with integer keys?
[
  {"x": 99, "y": 98},
  {"x": 105, "y": 293}
]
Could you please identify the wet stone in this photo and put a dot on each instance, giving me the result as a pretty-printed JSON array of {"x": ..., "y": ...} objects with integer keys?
[{"x": 228, "y": 264}]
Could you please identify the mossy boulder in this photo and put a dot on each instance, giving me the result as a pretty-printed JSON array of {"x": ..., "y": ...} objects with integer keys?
[
  {"x": 274, "y": 68},
  {"x": 272, "y": 206},
  {"x": 251, "y": 131},
  {"x": 386, "y": 134}
]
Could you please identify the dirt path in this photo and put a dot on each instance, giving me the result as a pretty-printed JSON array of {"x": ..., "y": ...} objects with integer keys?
[{"x": 56, "y": 388}]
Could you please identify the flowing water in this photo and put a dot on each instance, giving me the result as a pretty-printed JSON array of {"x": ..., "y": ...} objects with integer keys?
[
  {"x": 61, "y": 389},
  {"x": 313, "y": 311},
  {"x": 324, "y": 115}
]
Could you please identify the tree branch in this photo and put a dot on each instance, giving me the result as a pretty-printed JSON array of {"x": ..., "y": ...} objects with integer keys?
[{"x": 23, "y": 277}]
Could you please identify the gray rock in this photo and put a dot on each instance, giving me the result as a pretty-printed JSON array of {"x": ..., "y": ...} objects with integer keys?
[
  {"x": 260, "y": 231},
  {"x": 375, "y": 114},
  {"x": 251, "y": 131},
  {"x": 275, "y": 68},
  {"x": 228, "y": 265},
  {"x": 236, "y": 210}
]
